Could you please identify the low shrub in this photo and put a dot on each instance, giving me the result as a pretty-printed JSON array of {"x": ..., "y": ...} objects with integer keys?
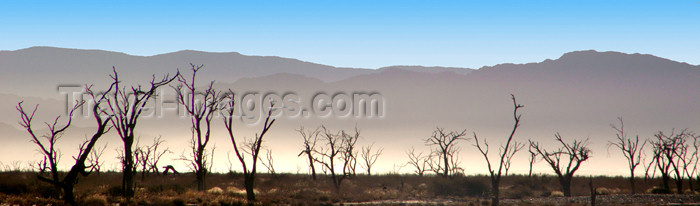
[
  {"x": 659, "y": 190},
  {"x": 458, "y": 186},
  {"x": 160, "y": 188},
  {"x": 94, "y": 200},
  {"x": 114, "y": 191},
  {"x": 13, "y": 187}
]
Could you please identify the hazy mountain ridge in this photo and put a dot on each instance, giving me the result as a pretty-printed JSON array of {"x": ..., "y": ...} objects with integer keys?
[
  {"x": 55, "y": 66},
  {"x": 578, "y": 94}
]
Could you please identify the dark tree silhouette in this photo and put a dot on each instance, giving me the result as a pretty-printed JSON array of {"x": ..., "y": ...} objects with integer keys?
[
  {"x": 532, "y": 159},
  {"x": 125, "y": 107},
  {"x": 670, "y": 152},
  {"x": 369, "y": 158},
  {"x": 349, "y": 152},
  {"x": 505, "y": 154},
  {"x": 693, "y": 160},
  {"x": 310, "y": 138},
  {"x": 565, "y": 161},
  {"x": 157, "y": 153},
  {"x": 338, "y": 146},
  {"x": 268, "y": 162},
  {"x": 444, "y": 151},
  {"x": 417, "y": 161},
  {"x": 630, "y": 148},
  {"x": 201, "y": 107},
  {"x": 47, "y": 146},
  {"x": 252, "y": 148},
  {"x": 148, "y": 156},
  {"x": 95, "y": 161}
]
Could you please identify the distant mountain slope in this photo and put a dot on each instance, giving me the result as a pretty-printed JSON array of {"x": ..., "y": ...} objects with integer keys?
[
  {"x": 578, "y": 94},
  {"x": 48, "y": 67}
]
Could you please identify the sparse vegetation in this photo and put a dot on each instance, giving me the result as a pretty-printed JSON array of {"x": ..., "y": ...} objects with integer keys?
[
  {"x": 336, "y": 152},
  {"x": 22, "y": 188},
  {"x": 565, "y": 160}
]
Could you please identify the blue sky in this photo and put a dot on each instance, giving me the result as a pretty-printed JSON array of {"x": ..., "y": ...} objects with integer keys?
[{"x": 368, "y": 34}]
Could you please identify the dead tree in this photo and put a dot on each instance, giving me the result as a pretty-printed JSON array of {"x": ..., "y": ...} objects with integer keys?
[
  {"x": 630, "y": 148},
  {"x": 349, "y": 152},
  {"x": 532, "y": 159},
  {"x": 369, "y": 158},
  {"x": 669, "y": 154},
  {"x": 148, "y": 156},
  {"x": 201, "y": 107},
  {"x": 592, "y": 190},
  {"x": 685, "y": 163},
  {"x": 157, "y": 153},
  {"x": 141, "y": 155},
  {"x": 565, "y": 161},
  {"x": 517, "y": 146},
  {"x": 693, "y": 160},
  {"x": 268, "y": 163},
  {"x": 445, "y": 150},
  {"x": 253, "y": 148},
  {"x": 125, "y": 107},
  {"x": 417, "y": 161},
  {"x": 94, "y": 159},
  {"x": 47, "y": 146},
  {"x": 328, "y": 153},
  {"x": 660, "y": 163},
  {"x": 505, "y": 154},
  {"x": 310, "y": 138}
]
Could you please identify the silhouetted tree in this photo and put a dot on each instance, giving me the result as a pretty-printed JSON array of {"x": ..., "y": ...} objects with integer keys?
[
  {"x": 141, "y": 154},
  {"x": 444, "y": 150},
  {"x": 338, "y": 146},
  {"x": 693, "y": 160},
  {"x": 505, "y": 154},
  {"x": 334, "y": 149},
  {"x": 629, "y": 147},
  {"x": 148, "y": 156},
  {"x": 532, "y": 159},
  {"x": 349, "y": 152},
  {"x": 269, "y": 162},
  {"x": 157, "y": 152},
  {"x": 670, "y": 152},
  {"x": 125, "y": 107},
  {"x": 417, "y": 161},
  {"x": 310, "y": 138},
  {"x": 369, "y": 158},
  {"x": 565, "y": 161},
  {"x": 201, "y": 107},
  {"x": 47, "y": 146},
  {"x": 94, "y": 159},
  {"x": 252, "y": 148}
]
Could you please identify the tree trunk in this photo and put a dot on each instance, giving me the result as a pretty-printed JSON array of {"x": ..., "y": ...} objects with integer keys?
[
  {"x": 665, "y": 181},
  {"x": 529, "y": 173},
  {"x": 679, "y": 186},
  {"x": 128, "y": 171},
  {"x": 68, "y": 195},
  {"x": 201, "y": 179},
  {"x": 632, "y": 181},
  {"x": 249, "y": 183},
  {"x": 565, "y": 182},
  {"x": 313, "y": 169},
  {"x": 447, "y": 165},
  {"x": 495, "y": 192},
  {"x": 593, "y": 190}
]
